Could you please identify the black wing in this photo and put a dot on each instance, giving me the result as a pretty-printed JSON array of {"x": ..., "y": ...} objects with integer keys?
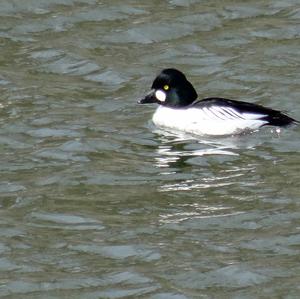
[{"x": 271, "y": 116}]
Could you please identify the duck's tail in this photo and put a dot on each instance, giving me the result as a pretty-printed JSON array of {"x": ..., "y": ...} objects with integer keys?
[{"x": 280, "y": 120}]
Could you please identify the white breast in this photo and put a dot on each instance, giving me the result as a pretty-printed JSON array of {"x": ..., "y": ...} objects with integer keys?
[{"x": 214, "y": 120}]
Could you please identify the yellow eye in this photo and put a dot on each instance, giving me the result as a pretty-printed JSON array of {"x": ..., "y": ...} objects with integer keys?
[{"x": 166, "y": 87}]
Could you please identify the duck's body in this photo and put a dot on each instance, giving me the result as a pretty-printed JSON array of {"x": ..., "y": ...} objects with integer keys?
[
  {"x": 180, "y": 110},
  {"x": 217, "y": 116}
]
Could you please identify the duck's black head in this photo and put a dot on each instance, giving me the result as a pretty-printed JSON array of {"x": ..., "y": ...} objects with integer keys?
[{"x": 171, "y": 88}]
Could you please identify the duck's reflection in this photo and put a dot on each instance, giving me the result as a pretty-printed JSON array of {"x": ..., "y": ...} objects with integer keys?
[
  {"x": 188, "y": 163},
  {"x": 194, "y": 211},
  {"x": 168, "y": 155},
  {"x": 179, "y": 146}
]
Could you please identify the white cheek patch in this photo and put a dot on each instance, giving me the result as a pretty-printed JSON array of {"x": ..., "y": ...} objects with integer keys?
[{"x": 160, "y": 95}]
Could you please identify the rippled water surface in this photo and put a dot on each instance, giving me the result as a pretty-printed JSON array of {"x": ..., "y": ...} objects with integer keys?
[{"x": 98, "y": 203}]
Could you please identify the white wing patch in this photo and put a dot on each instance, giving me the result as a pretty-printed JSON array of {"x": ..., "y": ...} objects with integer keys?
[{"x": 228, "y": 113}]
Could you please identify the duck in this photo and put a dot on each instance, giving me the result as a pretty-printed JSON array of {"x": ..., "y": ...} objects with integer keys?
[{"x": 180, "y": 109}]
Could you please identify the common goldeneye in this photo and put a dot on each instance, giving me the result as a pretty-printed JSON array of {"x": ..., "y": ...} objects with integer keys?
[{"x": 179, "y": 109}]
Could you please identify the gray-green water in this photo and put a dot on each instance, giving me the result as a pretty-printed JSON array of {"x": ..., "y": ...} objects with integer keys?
[{"x": 97, "y": 203}]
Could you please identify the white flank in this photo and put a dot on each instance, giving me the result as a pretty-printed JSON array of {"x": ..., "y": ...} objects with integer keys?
[
  {"x": 208, "y": 120},
  {"x": 160, "y": 95}
]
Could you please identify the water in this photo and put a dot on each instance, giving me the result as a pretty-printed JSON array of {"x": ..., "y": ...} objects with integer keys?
[{"x": 95, "y": 201}]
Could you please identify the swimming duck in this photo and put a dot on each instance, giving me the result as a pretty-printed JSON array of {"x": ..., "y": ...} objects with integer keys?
[{"x": 179, "y": 109}]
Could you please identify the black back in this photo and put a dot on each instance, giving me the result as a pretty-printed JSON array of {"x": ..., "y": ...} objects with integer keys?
[{"x": 273, "y": 117}]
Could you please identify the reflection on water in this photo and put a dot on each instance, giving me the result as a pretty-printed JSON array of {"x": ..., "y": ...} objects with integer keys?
[
  {"x": 198, "y": 211},
  {"x": 167, "y": 155},
  {"x": 178, "y": 149},
  {"x": 94, "y": 202}
]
